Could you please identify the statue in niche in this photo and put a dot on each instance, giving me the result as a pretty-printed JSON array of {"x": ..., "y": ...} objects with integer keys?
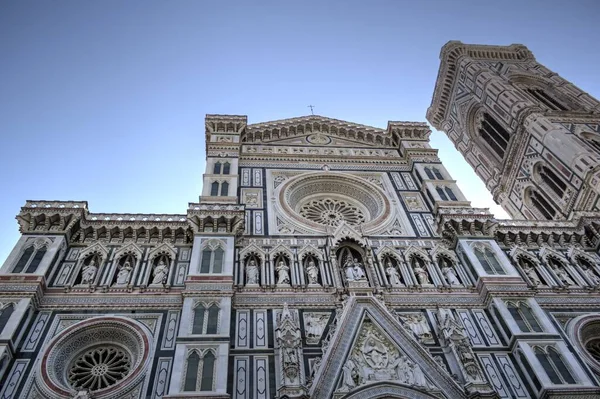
[
  {"x": 420, "y": 272},
  {"x": 252, "y": 272},
  {"x": 124, "y": 273},
  {"x": 438, "y": 359},
  {"x": 393, "y": 275},
  {"x": 590, "y": 274},
  {"x": 530, "y": 272},
  {"x": 89, "y": 272},
  {"x": 313, "y": 273},
  {"x": 160, "y": 273},
  {"x": 354, "y": 270},
  {"x": 314, "y": 325},
  {"x": 561, "y": 273},
  {"x": 289, "y": 341},
  {"x": 418, "y": 325},
  {"x": 449, "y": 273},
  {"x": 283, "y": 273}
]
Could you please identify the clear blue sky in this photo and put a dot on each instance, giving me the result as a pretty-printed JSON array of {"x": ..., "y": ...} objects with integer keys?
[{"x": 104, "y": 101}]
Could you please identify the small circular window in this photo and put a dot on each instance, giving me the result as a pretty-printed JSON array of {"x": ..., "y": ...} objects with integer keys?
[{"x": 99, "y": 368}]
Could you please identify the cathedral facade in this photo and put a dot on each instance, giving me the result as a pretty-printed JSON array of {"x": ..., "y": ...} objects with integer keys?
[{"x": 328, "y": 259}]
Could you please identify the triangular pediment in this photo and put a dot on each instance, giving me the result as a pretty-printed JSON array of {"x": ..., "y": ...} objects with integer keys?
[
  {"x": 371, "y": 348},
  {"x": 317, "y": 130}
]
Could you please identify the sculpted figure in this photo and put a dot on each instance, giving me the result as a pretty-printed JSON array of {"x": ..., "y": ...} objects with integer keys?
[
  {"x": 590, "y": 274},
  {"x": 283, "y": 273},
  {"x": 349, "y": 269},
  {"x": 124, "y": 273},
  {"x": 418, "y": 325},
  {"x": 251, "y": 272},
  {"x": 355, "y": 269},
  {"x": 89, "y": 272},
  {"x": 350, "y": 372},
  {"x": 82, "y": 395},
  {"x": 313, "y": 272},
  {"x": 421, "y": 274},
  {"x": 532, "y": 274},
  {"x": 160, "y": 273},
  {"x": 450, "y": 274},
  {"x": 562, "y": 274},
  {"x": 393, "y": 275}
]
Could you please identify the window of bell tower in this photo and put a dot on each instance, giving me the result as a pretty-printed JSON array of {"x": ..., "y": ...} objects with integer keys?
[{"x": 496, "y": 136}]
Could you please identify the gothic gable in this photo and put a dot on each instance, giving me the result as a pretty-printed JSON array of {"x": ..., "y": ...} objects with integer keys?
[{"x": 375, "y": 349}]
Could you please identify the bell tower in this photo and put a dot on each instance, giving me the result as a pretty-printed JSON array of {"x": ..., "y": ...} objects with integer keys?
[{"x": 530, "y": 135}]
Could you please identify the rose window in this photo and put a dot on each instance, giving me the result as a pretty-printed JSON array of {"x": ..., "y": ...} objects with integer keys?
[
  {"x": 331, "y": 212},
  {"x": 99, "y": 368},
  {"x": 593, "y": 347}
]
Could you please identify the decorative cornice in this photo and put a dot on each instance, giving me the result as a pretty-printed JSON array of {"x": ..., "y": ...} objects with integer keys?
[{"x": 451, "y": 56}]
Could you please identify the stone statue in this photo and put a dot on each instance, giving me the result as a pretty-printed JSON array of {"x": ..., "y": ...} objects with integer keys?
[
  {"x": 314, "y": 325},
  {"x": 418, "y": 378},
  {"x": 283, "y": 273},
  {"x": 350, "y": 372},
  {"x": 160, "y": 273},
  {"x": 450, "y": 274},
  {"x": 313, "y": 272},
  {"x": 124, "y": 273},
  {"x": 438, "y": 359},
  {"x": 418, "y": 325},
  {"x": 289, "y": 342},
  {"x": 393, "y": 275},
  {"x": 590, "y": 274},
  {"x": 562, "y": 274},
  {"x": 532, "y": 274},
  {"x": 252, "y": 272},
  {"x": 354, "y": 270},
  {"x": 421, "y": 274},
  {"x": 89, "y": 272}
]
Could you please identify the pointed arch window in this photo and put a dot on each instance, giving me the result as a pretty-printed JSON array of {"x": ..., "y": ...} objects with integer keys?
[
  {"x": 438, "y": 174},
  {"x": 217, "y": 168},
  {"x": 496, "y": 136},
  {"x": 208, "y": 371},
  {"x": 554, "y": 366},
  {"x": 206, "y": 319},
  {"x": 524, "y": 317},
  {"x": 546, "y": 100},
  {"x": 552, "y": 180},
  {"x": 542, "y": 205},
  {"x": 214, "y": 189},
  {"x": 488, "y": 261},
  {"x": 450, "y": 194},
  {"x": 191, "y": 372},
  {"x": 5, "y": 315},
  {"x": 226, "y": 168},
  {"x": 199, "y": 371},
  {"x": 429, "y": 173},
  {"x": 441, "y": 193},
  {"x": 212, "y": 260},
  {"x": 224, "y": 189},
  {"x": 30, "y": 259}
]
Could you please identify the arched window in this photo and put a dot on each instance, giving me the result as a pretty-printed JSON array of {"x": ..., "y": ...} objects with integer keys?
[
  {"x": 438, "y": 174},
  {"x": 524, "y": 317},
  {"x": 5, "y": 315},
  {"x": 24, "y": 260},
  {"x": 226, "y": 168},
  {"x": 441, "y": 193},
  {"x": 224, "y": 189},
  {"x": 494, "y": 135},
  {"x": 552, "y": 180},
  {"x": 214, "y": 189},
  {"x": 206, "y": 319},
  {"x": 592, "y": 139},
  {"x": 554, "y": 365},
  {"x": 208, "y": 371},
  {"x": 429, "y": 173},
  {"x": 542, "y": 205},
  {"x": 450, "y": 194},
  {"x": 191, "y": 372},
  {"x": 488, "y": 261},
  {"x": 546, "y": 100},
  {"x": 212, "y": 260},
  {"x": 37, "y": 259},
  {"x": 217, "y": 168}
]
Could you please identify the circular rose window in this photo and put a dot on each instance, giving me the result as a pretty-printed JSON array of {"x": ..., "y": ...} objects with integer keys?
[
  {"x": 315, "y": 202},
  {"x": 584, "y": 332},
  {"x": 107, "y": 356}
]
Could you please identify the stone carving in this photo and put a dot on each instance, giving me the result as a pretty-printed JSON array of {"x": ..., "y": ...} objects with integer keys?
[
  {"x": 454, "y": 336},
  {"x": 289, "y": 342},
  {"x": 89, "y": 273},
  {"x": 251, "y": 200},
  {"x": 83, "y": 395},
  {"x": 314, "y": 325},
  {"x": 124, "y": 274},
  {"x": 375, "y": 358},
  {"x": 421, "y": 273},
  {"x": 450, "y": 274},
  {"x": 393, "y": 275},
  {"x": 312, "y": 272},
  {"x": 160, "y": 273},
  {"x": 561, "y": 273},
  {"x": 417, "y": 323},
  {"x": 438, "y": 359},
  {"x": 252, "y": 273},
  {"x": 354, "y": 270},
  {"x": 283, "y": 273},
  {"x": 532, "y": 274},
  {"x": 590, "y": 274}
]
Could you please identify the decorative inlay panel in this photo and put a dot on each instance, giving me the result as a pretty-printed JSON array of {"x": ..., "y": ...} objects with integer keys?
[{"x": 35, "y": 334}]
